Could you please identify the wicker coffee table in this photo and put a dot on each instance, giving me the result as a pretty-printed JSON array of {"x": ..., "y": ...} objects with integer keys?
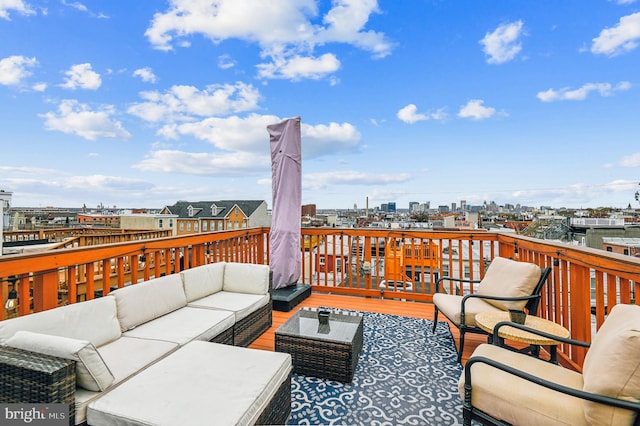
[{"x": 326, "y": 351}]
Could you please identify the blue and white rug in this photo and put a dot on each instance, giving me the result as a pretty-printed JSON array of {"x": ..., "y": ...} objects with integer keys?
[{"x": 406, "y": 375}]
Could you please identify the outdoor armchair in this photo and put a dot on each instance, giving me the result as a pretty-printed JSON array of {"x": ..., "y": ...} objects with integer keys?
[
  {"x": 501, "y": 386},
  {"x": 507, "y": 285}
]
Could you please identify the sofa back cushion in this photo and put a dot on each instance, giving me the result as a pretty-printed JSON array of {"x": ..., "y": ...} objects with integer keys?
[
  {"x": 246, "y": 278},
  {"x": 509, "y": 278},
  {"x": 94, "y": 320},
  {"x": 612, "y": 365},
  {"x": 91, "y": 371},
  {"x": 145, "y": 301},
  {"x": 202, "y": 281}
]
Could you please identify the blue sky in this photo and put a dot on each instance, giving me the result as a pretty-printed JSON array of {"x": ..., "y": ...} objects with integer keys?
[{"x": 143, "y": 103}]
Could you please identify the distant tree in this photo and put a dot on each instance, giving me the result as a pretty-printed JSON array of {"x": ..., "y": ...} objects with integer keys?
[{"x": 420, "y": 216}]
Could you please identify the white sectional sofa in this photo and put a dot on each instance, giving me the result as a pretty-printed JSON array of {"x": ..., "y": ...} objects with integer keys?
[{"x": 113, "y": 339}]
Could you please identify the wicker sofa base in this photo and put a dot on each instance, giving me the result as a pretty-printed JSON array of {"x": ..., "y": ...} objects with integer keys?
[
  {"x": 251, "y": 327},
  {"x": 279, "y": 409},
  {"x": 30, "y": 377},
  {"x": 225, "y": 337}
]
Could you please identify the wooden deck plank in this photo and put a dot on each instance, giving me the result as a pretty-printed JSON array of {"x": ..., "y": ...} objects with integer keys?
[{"x": 383, "y": 306}]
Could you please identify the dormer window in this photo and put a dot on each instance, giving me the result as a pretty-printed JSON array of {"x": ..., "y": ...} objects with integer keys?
[
  {"x": 191, "y": 211},
  {"x": 215, "y": 210}
]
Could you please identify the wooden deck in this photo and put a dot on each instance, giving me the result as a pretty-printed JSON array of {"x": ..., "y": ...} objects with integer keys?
[{"x": 385, "y": 306}]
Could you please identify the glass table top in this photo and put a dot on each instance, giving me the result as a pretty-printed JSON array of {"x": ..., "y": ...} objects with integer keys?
[{"x": 341, "y": 328}]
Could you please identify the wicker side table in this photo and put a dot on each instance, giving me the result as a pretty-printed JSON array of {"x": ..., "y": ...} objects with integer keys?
[
  {"x": 31, "y": 377},
  {"x": 329, "y": 352},
  {"x": 488, "y": 320}
]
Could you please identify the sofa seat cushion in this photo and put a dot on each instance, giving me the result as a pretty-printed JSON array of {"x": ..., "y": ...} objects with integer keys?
[
  {"x": 145, "y": 301},
  {"x": 91, "y": 371},
  {"x": 128, "y": 355},
  {"x": 488, "y": 385},
  {"x": 241, "y": 304},
  {"x": 509, "y": 278},
  {"x": 449, "y": 305},
  {"x": 140, "y": 353},
  {"x": 94, "y": 320},
  {"x": 184, "y": 325},
  {"x": 203, "y": 280},
  {"x": 246, "y": 278},
  {"x": 201, "y": 383}
]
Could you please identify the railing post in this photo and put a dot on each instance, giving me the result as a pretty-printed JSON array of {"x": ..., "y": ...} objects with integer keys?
[
  {"x": 580, "y": 300},
  {"x": 45, "y": 290}
]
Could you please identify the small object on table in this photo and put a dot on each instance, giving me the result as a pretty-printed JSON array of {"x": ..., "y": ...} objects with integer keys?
[{"x": 323, "y": 316}]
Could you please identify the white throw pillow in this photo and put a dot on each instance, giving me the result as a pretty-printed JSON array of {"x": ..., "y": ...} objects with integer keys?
[{"x": 91, "y": 371}]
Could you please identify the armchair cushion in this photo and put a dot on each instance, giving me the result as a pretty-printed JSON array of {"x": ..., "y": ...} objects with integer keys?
[
  {"x": 514, "y": 400},
  {"x": 612, "y": 365},
  {"x": 449, "y": 305},
  {"x": 91, "y": 371},
  {"x": 509, "y": 278}
]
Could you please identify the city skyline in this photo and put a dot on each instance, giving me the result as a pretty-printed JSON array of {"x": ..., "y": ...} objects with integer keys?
[{"x": 530, "y": 103}]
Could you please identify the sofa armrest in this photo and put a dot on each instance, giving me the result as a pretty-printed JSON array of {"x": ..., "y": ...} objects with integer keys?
[{"x": 31, "y": 377}]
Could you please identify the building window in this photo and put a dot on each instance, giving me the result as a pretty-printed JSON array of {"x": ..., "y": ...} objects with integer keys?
[
  {"x": 204, "y": 226},
  {"x": 626, "y": 251},
  {"x": 188, "y": 226},
  {"x": 182, "y": 226},
  {"x": 170, "y": 223},
  {"x": 195, "y": 226},
  {"x": 609, "y": 248},
  {"x": 160, "y": 223}
]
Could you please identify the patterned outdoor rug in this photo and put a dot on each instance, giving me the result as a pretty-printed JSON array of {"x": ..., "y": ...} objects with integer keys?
[{"x": 405, "y": 375}]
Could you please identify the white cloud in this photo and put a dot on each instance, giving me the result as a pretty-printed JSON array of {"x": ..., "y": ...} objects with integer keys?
[
  {"x": 146, "y": 74},
  {"x": 409, "y": 114},
  {"x": 624, "y": 2},
  {"x": 299, "y": 67},
  {"x": 580, "y": 94},
  {"x": 620, "y": 39},
  {"x": 15, "y": 5},
  {"x": 14, "y": 69},
  {"x": 576, "y": 194},
  {"x": 248, "y": 134},
  {"x": 321, "y": 180},
  {"x": 76, "y": 5},
  {"x": 205, "y": 163},
  {"x": 232, "y": 133},
  {"x": 331, "y": 139},
  {"x": 81, "y": 76},
  {"x": 78, "y": 119},
  {"x": 181, "y": 103},
  {"x": 476, "y": 110},
  {"x": 40, "y": 87},
  {"x": 287, "y": 32},
  {"x": 632, "y": 160},
  {"x": 502, "y": 45},
  {"x": 225, "y": 62}
]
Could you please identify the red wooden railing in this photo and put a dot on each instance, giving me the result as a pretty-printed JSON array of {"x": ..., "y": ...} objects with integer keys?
[{"x": 584, "y": 285}]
